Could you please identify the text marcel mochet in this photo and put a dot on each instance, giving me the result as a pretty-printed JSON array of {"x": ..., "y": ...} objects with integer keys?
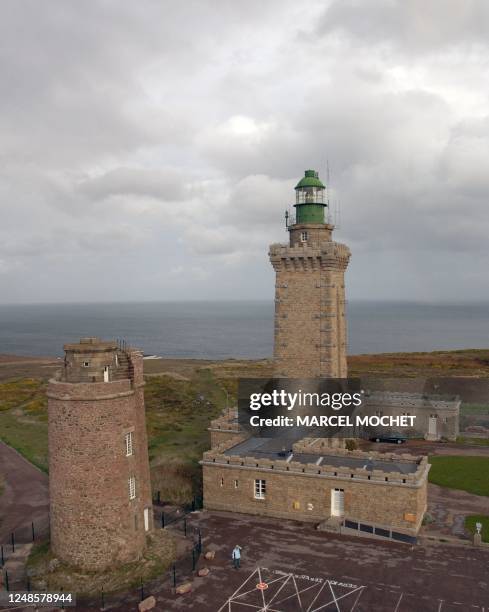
[{"x": 335, "y": 401}]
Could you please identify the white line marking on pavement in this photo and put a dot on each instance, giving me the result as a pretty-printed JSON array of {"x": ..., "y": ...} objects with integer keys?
[{"x": 398, "y": 603}]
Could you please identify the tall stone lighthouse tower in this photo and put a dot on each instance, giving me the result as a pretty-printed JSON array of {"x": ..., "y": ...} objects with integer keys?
[
  {"x": 99, "y": 483},
  {"x": 310, "y": 323}
]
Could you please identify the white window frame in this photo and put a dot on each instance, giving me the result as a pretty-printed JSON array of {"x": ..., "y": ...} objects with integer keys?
[
  {"x": 304, "y": 236},
  {"x": 132, "y": 487},
  {"x": 129, "y": 446},
  {"x": 260, "y": 488}
]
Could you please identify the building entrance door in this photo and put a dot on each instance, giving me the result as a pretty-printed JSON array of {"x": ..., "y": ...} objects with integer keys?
[
  {"x": 106, "y": 373},
  {"x": 432, "y": 426},
  {"x": 337, "y": 502}
]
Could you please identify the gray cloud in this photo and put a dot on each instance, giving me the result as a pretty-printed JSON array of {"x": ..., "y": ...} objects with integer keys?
[
  {"x": 139, "y": 141},
  {"x": 416, "y": 26}
]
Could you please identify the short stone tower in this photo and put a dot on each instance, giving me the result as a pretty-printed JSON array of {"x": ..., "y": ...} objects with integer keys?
[
  {"x": 99, "y": 483},
  {"x": 310, "y": 323}
]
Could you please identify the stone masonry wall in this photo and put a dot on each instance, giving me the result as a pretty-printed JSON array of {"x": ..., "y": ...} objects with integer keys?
[
  {"x": 219, "y": 436},
  {"x": 94, "y": 524},
  {"x": 141, "y": 440},
  {"x": 446, "y": 412},
  {"x": 310, "y": 323},
  {"x": 307, "y": 497}
]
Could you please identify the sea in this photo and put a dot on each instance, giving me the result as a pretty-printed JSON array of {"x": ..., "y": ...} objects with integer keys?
[{"x": 235, "y": 329}]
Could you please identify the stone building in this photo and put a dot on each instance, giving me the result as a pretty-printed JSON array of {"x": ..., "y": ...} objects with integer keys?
[
  {"x": 310, "y": 339},
  {"x": 378, "y": 494},
  {"x": 99, "y": 482},
  {"x": 375, "y": 494},
  {"x": 310, "y": 323},
  {"x": 437, "y": 416}
]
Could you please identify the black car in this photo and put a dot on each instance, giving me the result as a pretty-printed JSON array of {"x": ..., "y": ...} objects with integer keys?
[{"x": 393, "y": 439}]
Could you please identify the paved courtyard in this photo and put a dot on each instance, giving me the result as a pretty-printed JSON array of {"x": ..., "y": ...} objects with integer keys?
[{"x": 305, "y": 570}]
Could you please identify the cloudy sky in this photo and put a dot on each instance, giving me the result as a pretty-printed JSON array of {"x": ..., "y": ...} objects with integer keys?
[{"x": 149, "y": 149}]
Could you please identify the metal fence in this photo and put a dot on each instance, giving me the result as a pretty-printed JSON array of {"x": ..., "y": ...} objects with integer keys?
[
  {"x": 179, "y": 572},
  {"x": 167, "y": 514},
  {"x": 16, "y": 579}
]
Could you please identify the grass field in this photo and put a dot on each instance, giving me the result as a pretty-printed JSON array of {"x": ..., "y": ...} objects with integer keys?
[
  {"x": 476, "y": 441},
  {"x": 178, "y": 411},
  {"x": 28, "y": 435},
  {"x": 177, "y": 417},
  {"x": 467, "y": 473},
  {"x": 466, "y": 362},
  {"x": 471, "y": 520},
  {"x": 480, "y": 409},
  {"x": 183, "y": 395}
]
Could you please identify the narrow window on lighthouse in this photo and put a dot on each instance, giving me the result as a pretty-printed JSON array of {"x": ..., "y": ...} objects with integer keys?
[
  {"x": 132, "y": 487},
  {"x": 128, "y": 444},
  {"x": 304, "y": 236}
]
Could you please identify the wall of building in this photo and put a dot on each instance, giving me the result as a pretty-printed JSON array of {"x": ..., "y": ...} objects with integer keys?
[
  {"x": 316, "y": 234},
  {"x": 310, "y": 322},
  {"x": 446, "y": 413},
  {"x": 85, "y": 361},
  {"x": 94, "y": 523},
  {"x": 308, "y": 497},
  {"x": 219, "y": 437},
  {"x": 141, "y": 438}
]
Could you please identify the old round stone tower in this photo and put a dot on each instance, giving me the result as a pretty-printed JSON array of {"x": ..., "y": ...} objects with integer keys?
[
  {"x": 99, "y": 483},
  {"x": 310, "y": 323}
]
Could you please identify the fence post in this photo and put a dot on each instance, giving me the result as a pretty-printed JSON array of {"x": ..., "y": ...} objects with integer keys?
[
  {"x": 159, "y": 496},
  {"x": 200, "y": 541},
  {"x": 142, "y": 589},
  {"x": 193, "y": 504},
  {"x": 162, "y": 520},
  {"x": 174, "y": 576},
  {"x": 193, "y": 559},
  {"x": 12, "y": 539},
  {"x": 33, "y": 533},
  {"x": 103, "y": 599},
  {"x": 28, "y": 584},
  {"x": 1, "y": 556},
  {"x": 184, "y": 525},
  {"x": 6, "y": 581}
]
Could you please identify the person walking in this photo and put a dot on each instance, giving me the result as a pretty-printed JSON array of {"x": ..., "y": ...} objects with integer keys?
[{"x": 236, "y": 556}]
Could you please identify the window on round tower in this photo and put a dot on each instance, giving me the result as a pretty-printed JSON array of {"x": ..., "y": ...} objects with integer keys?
[{"x": 304, "y": 236}]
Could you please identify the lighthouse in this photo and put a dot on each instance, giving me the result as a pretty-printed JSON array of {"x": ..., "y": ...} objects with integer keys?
[
  {"x": 99, "y": 481},
  {"x": 310, "y": 338}
]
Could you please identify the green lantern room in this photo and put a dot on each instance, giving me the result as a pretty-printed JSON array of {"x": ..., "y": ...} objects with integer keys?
[{"x": 310, "y": 199}]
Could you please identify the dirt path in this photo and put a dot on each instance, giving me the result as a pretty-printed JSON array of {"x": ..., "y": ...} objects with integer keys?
[
  {"x": 25, "y": 496},
  {"x": 448, "y": 509}
]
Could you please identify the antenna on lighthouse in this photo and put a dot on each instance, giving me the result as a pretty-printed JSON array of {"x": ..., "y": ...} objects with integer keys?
[
  {"x": 334, "y": 216},
  {"x": 331, "y": 214},
  {"x": 327, "y": 184},
  {"x": 337, "y": 214}
]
